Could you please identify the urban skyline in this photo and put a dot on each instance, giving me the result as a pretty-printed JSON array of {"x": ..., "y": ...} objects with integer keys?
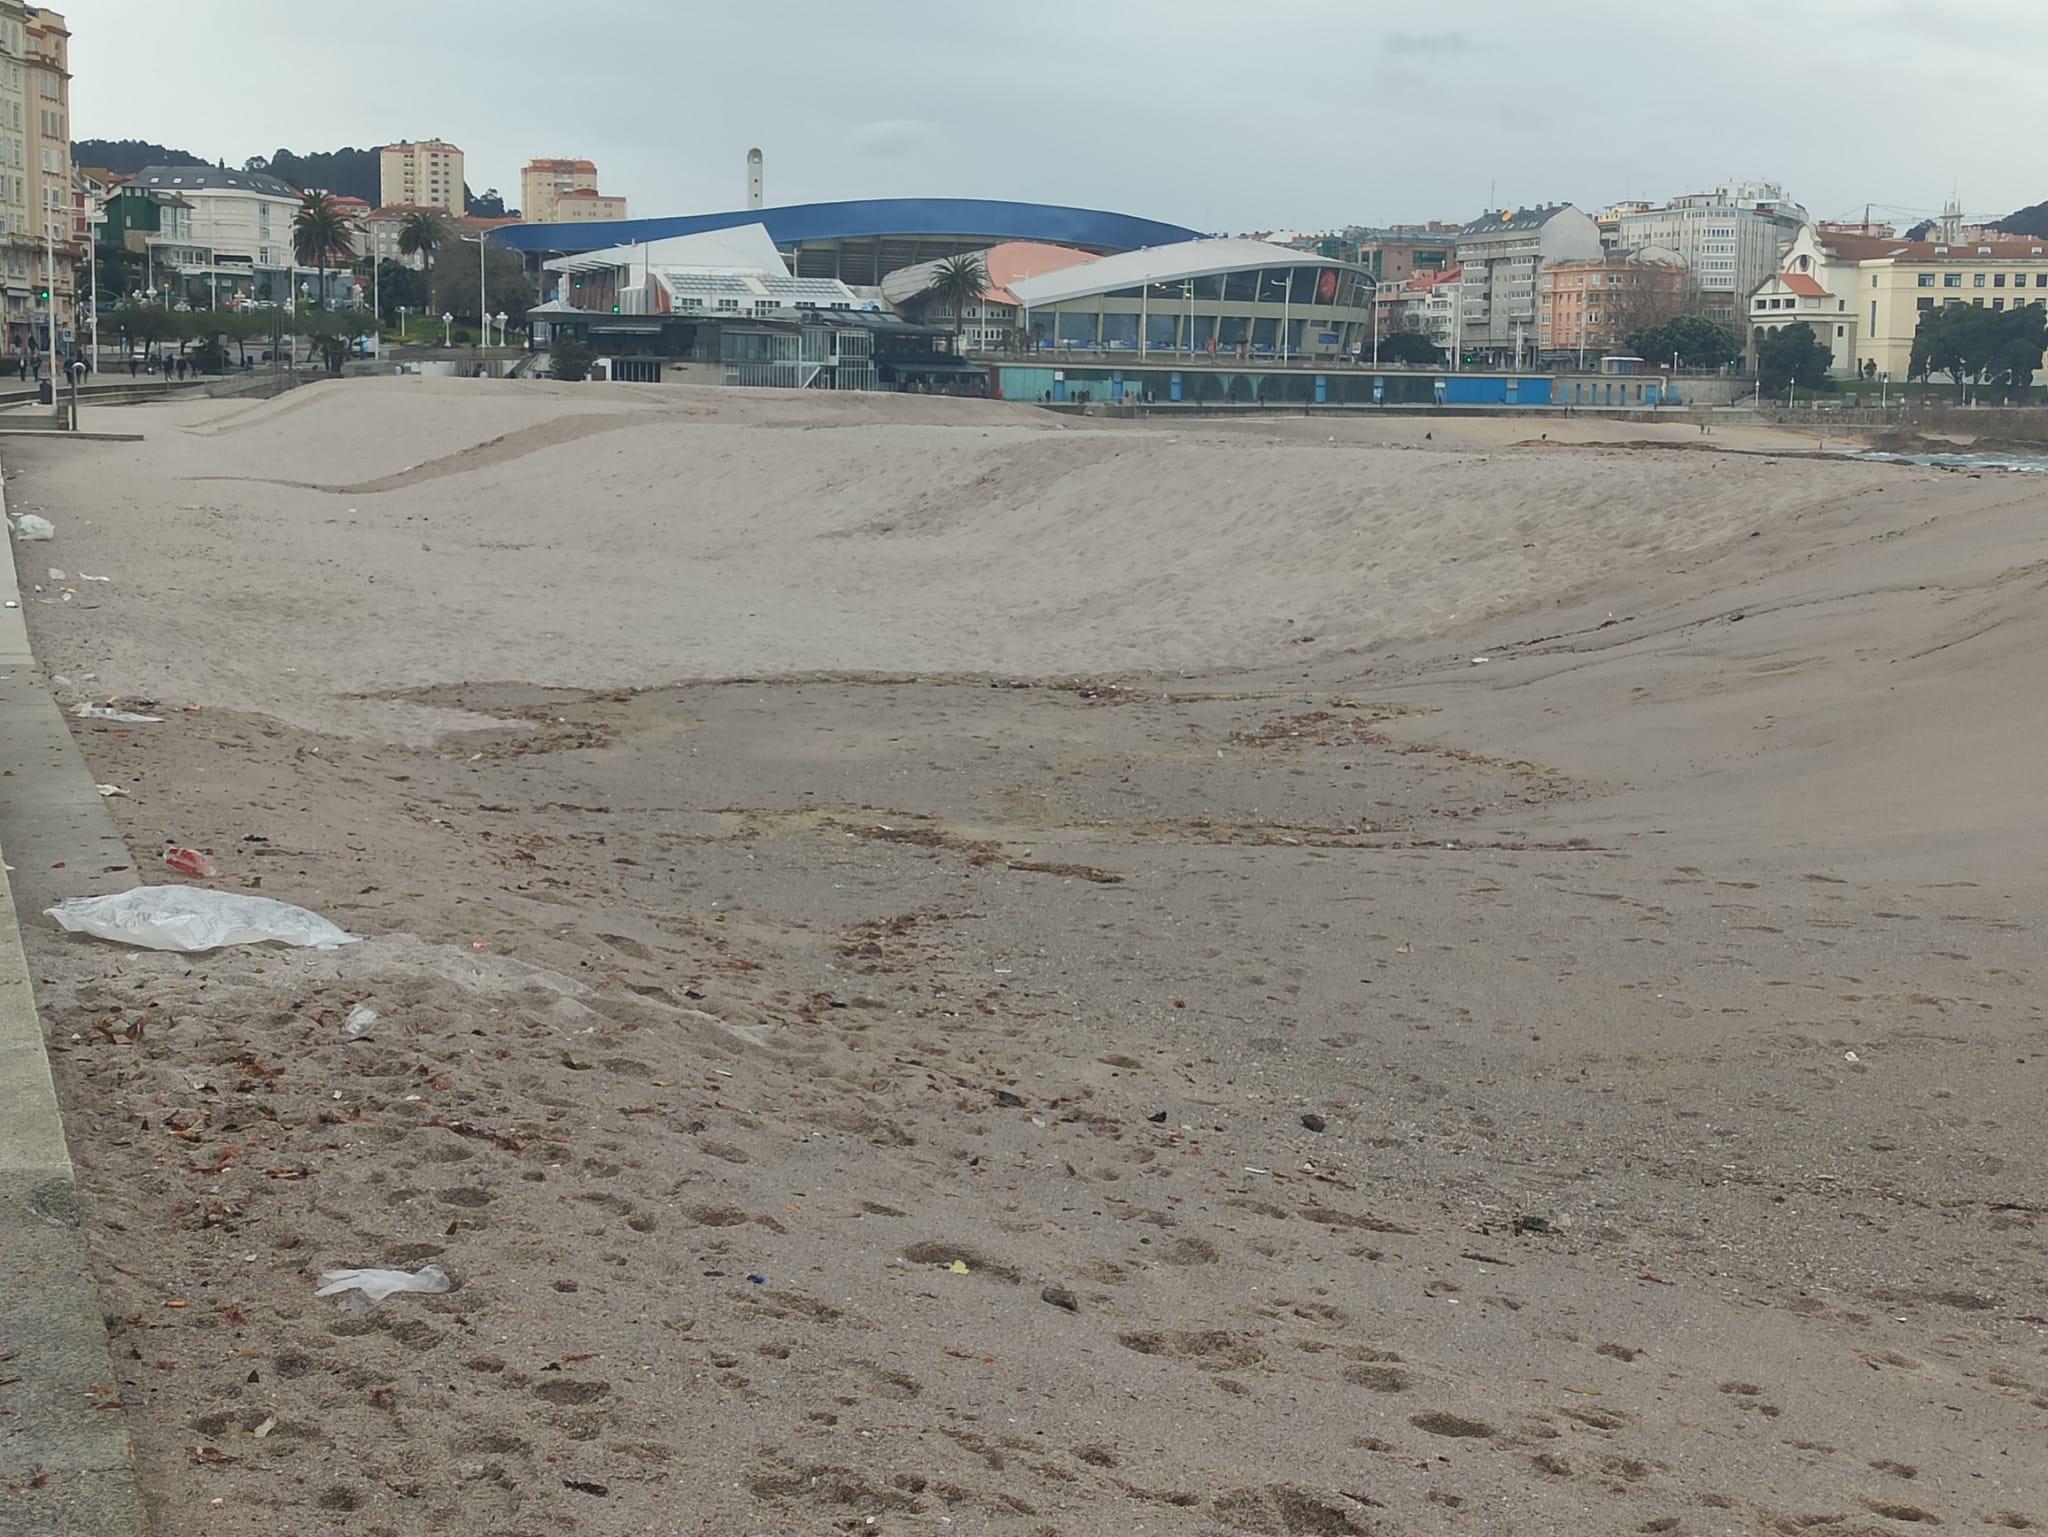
[{"x": 1423, "y": 118}]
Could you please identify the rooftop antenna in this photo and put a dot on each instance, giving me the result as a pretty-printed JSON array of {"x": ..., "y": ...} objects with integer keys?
[{"x": 753, "y": 178}]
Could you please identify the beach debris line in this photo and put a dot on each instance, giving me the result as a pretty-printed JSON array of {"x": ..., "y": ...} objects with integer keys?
[
  {"x": 193, "y": 918},
  {"x": 379, "y": 1284}
]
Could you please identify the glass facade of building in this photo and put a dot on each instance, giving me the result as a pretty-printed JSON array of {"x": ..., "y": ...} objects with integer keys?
[{"x": 1290, "y": 311}]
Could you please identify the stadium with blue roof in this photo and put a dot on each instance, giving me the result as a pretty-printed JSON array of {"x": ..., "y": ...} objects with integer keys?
[{"x": 860, "y": 242}]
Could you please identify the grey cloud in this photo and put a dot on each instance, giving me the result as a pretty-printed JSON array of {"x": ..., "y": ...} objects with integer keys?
[
  {"x": 890, "y": 136},
  {"x": 1428, "y": 42}
]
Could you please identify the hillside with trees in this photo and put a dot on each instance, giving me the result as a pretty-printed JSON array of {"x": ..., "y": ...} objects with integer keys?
[
  {"x": 346, "y": 172},
  {"x": 2032, "y": 220},
  {"x": 129, "y": 155}
]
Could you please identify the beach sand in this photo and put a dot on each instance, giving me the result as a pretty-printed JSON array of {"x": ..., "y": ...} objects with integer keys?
[{"x": 942, "y": 968}]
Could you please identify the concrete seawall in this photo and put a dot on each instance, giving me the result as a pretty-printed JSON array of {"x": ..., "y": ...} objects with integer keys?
[{"x": 66, "y": 1447}]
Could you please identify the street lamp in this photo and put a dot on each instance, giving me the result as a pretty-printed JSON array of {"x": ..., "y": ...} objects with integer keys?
[
  {"x": 401, "y": 322},
  {"x": 483, "y": 299},
  {"x": 447, "y": 328},
  {"x": 501, "y": 328},
  {"x": 93, "y": 223}
]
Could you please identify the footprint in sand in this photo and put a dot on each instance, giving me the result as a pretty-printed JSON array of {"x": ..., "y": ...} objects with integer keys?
[{"x": 1439, "y": 1423}]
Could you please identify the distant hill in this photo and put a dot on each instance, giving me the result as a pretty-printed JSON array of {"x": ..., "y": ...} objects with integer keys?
[
  {"x": 344, "y": 172},
  {"x": 2028, "y": 221},
  {"x": 129, "y": 155}
]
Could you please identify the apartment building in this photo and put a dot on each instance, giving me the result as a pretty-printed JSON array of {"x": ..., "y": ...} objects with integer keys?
[
  {"x": 20, "y": 244},
  {"x": 427, "y": 174},
  {"x": 1590, "y": 306},
  {"x": 585, "y": 205},
  {"x": 1397, "y": 253},
  {"x": 565, "y": 192},
  {"x": 241, "y": 220},
  {"x": 1502, "y": 256},
  {"x": 1425, "y": 303},
  {"x": 46, "y": 96},
  {"x": 1864, "y": 297},
  {"x": 1730, "y": 239}
]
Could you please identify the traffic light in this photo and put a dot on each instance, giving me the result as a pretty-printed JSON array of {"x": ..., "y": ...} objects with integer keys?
[{"x": 42, "y": 296}]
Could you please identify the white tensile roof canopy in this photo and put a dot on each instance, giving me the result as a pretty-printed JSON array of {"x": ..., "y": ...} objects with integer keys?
[
  {"x": 739, "y": 264},
  {"x": 1161, "y": 264}
]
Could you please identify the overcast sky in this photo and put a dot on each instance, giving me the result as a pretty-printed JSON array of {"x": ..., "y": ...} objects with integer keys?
[{"x": 1226, "y": 115}]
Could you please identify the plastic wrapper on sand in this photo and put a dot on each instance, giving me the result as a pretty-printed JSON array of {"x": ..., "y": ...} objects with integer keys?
[
  {"x": 379, "y": 1284},
  {"x": 191, "y": 919}
]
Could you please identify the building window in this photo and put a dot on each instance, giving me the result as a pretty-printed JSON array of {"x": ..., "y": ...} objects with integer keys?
[
  {"x": 1998, "y": 280},
  {"x": 1923, "y": 304},
  {"x": 1998, "y": 304},
  {"x": 1951, "y": 280},
  {"x": 1926, "y": 280},
  {"x": 1976, "y": 280}
]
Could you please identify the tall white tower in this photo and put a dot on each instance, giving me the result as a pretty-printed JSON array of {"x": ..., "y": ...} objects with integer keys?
[{"x": 753, "y": 178}]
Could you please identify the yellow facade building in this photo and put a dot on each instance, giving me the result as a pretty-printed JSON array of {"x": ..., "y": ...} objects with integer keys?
[{"x": 1864, "y": 296}]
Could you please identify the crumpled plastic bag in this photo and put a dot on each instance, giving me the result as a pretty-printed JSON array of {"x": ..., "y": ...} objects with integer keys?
[
  {"x": 127, "y": 717},
  {"x": 29, "y": 527},
  {"x": 191, "y": 918},
  {"x": 379, "y": 1284},
  {"x": 362, "y": 1019}
]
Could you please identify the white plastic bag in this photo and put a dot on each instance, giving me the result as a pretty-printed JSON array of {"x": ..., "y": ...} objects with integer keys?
[
  {"x": 190, "y": 918},
  {"x": 29, "y": 527},
  {"x": 379, "y": 1284},
  {"x": 361, "y": 1020},
  {"x": 101, "y": 712}
]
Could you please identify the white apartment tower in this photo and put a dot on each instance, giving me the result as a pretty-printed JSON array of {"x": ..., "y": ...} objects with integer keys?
[{"x": 1730, "y": 239}]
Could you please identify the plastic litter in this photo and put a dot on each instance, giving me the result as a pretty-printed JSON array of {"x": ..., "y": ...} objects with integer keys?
[
  {"x": 191, "y": 918},
  {"x": 110, "y": 790},
  {"x": 84, "y": 578},
  {"x": 126, "y": 717},
  {"x": 58, "y": 680},
  {"x": 958, "y": 1267},
  {"x": 28, "y": 527},
  {"x": 360, "y": 1020},
  {"x": 1850, "y": 1056},
  {"x": 190, "y": 862},
  {"x": 57, "y": 574},
  {"x": 379, "y": 1284}
]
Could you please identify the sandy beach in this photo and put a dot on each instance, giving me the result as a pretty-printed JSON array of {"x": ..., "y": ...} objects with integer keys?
[{"x": 942, "y": 968}]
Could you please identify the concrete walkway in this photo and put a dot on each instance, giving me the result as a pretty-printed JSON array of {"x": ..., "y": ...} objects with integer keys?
[{"x": 63, "y": 1439}]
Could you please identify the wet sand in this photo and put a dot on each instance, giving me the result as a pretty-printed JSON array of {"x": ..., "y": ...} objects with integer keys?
[{"x": 941, "y": 970}]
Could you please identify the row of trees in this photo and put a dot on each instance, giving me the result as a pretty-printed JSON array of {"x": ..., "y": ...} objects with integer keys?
[
  {"x": 204, "y": 337},
  {"x": 322, "y": 237},
  {"x": 1996, "y": 349}
]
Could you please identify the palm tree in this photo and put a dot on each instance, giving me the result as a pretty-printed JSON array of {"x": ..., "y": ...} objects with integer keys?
[
  {"x": 960, "y": 281},
  {"x": 320, "y": 232},
  {"x": 421, "y": 233}
]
